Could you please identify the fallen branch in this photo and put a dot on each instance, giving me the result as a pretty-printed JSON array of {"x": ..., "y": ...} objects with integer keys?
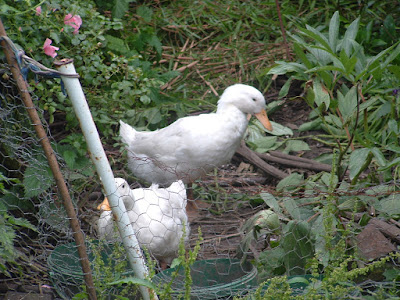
[
  {"x": 252, "y": 157},
  {"x": 294, "y": 161}
]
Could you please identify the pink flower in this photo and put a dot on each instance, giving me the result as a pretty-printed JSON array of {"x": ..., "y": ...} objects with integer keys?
[
  {"x": 73, "y": 21},
  {"x": 38, "y": 10},
  {"x": 50, "y": 50}
]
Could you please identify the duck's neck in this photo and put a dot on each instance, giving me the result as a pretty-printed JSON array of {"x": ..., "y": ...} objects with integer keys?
[{"x": 233, "y": 116}]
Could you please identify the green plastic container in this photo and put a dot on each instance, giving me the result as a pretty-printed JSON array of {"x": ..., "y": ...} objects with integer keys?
[
  {"x": 66, "y": 272},
  {"x": 212, "y": 279}
]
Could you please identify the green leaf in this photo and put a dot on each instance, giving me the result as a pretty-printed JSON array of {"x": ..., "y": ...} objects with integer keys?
[
  {"x": 37, "y": 179},
  {"x": 347, "y": 104},
  {"x": 299, "y": 51},
  {"x": 317, "y": 36},
  {"x": 292, "y": 207},
  {"x": 116, "y": 44},
  {"x": 285, "y": 67},
  {"x": 350, "y": 35},
  {"x": 295, "y": 145},
  {"x": 285, "y": 88},
  {"x": 321, "y": 95},
  {"x": 264, "y": 144},
  {"x": 21, "y": 223},
  {"x": 70, "y": 157},
  {"x": 271, "y": 201},
  {"x": 298, "y": 247},
  {"x": 393, "y": 55},
  {"x": 312, "y": 125},
  {"x": 357, "y": 160},
  {"x": 389, "y": 205},
  {"x": 120, "y": 7},
  {"x": 334, "y": 30},
  {"x": 380, "y": 158},
  {"x": 290, "y": 182},
  {"x": 134, "y": 280},
  {"x": 145, "y": 12},
  {"x": 279, "y": 130}
]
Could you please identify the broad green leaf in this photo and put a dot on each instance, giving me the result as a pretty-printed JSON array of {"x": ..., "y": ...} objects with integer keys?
[
  {"x": 299, "y": 51},
  {"x": 292, "y": 207},
  {"x": 350, "y": 35},
  {"x": 279, "y": 130},
  {"x": 357, "y": 160},
  {"x": 290, "y": 182},
  {"x": 321, "y": 95},
  {"x": 295, "y": 146},
  {"x": 368, "y": 103},
  {"x": 37, "y": 179},
  {"x": 348, "y": 63},
  {"x": 285, "y": 67},
  {"x": 347, "y": 104},
  {"x": 380, "y": 158},
  {"x": 334, "y": 30},
  {"x": 325, "y": 68},
  {"x": 271, "y": 201},
  {"x": 312, "y": 125},
  {"x": 120, "y": 7},
  {"x": 285, "y": 88},
  {"x": 21, "y": 223},
  {"x": 317, "y": 36},
  {"x": 264, "y": 144},
  {"x": 389, "y": 205},
  {"x": 116, "y": 44},
  {"x": 373, "y": 63},
  {"x": 393, "y": 55},
  {"x": 298, "y": 246},
  {"x": 145, "y": 12}
]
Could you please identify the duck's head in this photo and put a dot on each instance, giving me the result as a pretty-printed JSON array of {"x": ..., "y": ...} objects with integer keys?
[
  {"x": 247, "y": 99},
  {"x": 124, "y": 192}
]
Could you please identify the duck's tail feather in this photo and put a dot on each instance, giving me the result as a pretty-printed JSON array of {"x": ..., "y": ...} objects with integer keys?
[{"x": 126, "y": 132}]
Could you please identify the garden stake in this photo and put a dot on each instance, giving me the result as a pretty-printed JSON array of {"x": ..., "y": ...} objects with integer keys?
[
  {"x": 99, "y": 158},
  {"x": 52, "y": 160}
]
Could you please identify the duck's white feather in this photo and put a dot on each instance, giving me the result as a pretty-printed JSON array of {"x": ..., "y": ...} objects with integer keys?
[
  {"x": 191, "y": 146},
  {"x": 158, "y": 217}
]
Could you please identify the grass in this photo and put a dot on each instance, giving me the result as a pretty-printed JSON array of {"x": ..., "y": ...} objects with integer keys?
[{"x": 216, "y": 45}]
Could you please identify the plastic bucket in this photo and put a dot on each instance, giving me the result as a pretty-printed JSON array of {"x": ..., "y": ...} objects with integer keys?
[{"x": 212, "y": 279}]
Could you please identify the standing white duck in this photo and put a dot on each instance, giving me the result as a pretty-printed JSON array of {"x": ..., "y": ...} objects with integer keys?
[
  {"x": 158, "y": 217},
  {"x": 191, "y": 146}
]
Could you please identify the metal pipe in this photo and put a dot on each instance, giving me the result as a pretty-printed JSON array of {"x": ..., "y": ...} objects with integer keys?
[
  {"x": 52, "y": 160},
  {"x": 99, "y": 158}
]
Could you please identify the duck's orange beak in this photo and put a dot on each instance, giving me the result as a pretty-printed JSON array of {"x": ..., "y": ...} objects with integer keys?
[
  {"x": 104, "y": 205},
  {"x": 263, "y": 118}
]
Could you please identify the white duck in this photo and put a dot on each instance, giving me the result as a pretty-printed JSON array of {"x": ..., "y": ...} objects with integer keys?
[
  {"x": 158, "y": 217},
  {"x": 191, "y": 146}
]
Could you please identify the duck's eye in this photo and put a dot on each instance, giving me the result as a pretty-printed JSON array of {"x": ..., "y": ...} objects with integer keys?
[
  {"x": 123, "y": 185},
  {"x": 254, "y": 99}
]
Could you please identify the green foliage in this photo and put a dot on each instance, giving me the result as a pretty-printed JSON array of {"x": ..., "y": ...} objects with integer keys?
[
  {"x": 184, "y": 261},
  {"x": 348, "y": 91},
  {"x": 8, "y": 226}
]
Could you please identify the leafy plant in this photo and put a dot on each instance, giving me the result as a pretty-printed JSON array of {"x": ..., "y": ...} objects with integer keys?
[
  {"x": 347, "y": 90},
  {"x": 8, "y": 227}
]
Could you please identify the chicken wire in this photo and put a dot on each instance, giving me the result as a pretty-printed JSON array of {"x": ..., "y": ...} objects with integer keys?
[{"x": 236, "y": 203}]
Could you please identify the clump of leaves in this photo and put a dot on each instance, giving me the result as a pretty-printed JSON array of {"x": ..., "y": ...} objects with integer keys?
[
  {"x": 348, "y": 90},
  {"x": 8, "y": 227}
]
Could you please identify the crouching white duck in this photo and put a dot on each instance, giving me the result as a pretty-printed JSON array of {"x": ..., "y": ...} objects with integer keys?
[
  {"x": 158, "y": 216},
  {"x": 194, "y": 145}
]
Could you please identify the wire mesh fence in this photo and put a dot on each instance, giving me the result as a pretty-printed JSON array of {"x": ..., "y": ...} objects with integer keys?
[{"x": 243, "y": 231}]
